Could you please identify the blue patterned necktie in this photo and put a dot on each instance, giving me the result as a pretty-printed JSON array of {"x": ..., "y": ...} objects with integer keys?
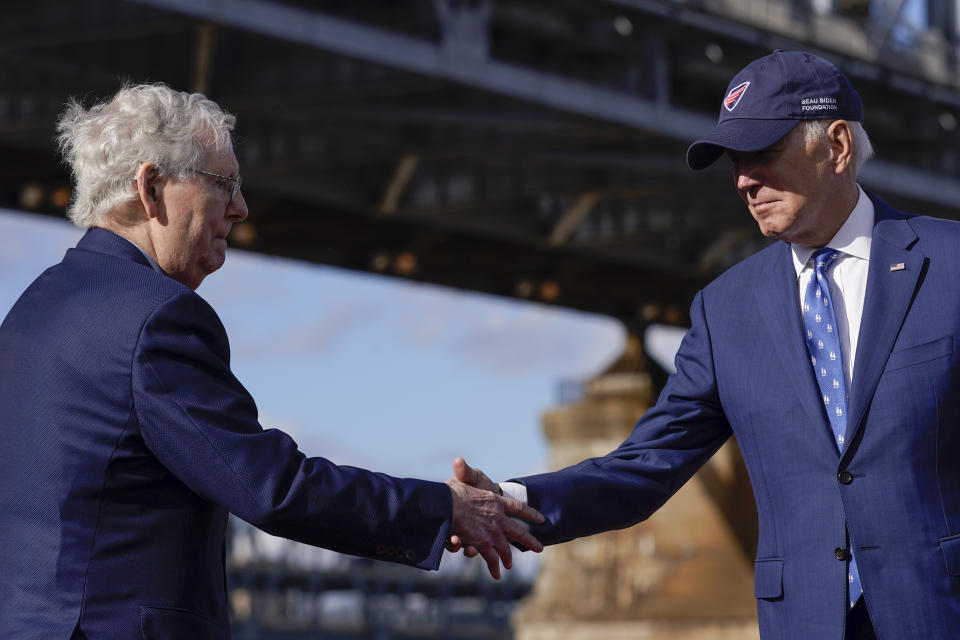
[{"x": 823, "y": 343}]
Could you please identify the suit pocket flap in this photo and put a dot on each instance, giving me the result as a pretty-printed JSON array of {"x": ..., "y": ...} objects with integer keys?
[
  {"x": 920, "y": 353},
  {"x": 169, "y": 623},
  {"x": 951, "y": 553},
  {"x": 768, "y": 578}
]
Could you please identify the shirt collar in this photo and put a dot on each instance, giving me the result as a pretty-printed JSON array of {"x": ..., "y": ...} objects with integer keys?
[
  {"x": 153, "y": 263},
  {"x": 853, "y": 238}
]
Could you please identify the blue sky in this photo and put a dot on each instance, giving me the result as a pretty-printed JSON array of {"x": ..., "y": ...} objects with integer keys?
[{"x": 387, "y": 374}]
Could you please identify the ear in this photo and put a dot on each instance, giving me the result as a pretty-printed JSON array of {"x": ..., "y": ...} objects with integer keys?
[
  {"x": 148, "y": 184},
  {"x": 840, "y": 136}
]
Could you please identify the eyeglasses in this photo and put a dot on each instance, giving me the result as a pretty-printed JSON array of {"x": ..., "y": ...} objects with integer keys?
[{"x": 233, "y": 189}]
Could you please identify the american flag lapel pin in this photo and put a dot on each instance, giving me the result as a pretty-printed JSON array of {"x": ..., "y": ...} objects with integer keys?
[{"x": 898, "y": 267}]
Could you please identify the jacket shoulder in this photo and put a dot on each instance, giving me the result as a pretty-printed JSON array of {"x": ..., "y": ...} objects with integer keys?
[
  {"x": 891, "y": 222},
  {"x": 930, "y": 228},
  {"x": 745, "y": 273},
  {"x": 120, "y": 283}
]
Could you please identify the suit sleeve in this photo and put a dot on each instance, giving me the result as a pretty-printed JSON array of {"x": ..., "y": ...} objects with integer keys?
[
  {"x": 202, "y": 425},
  {"x": 666, "y": 447}
]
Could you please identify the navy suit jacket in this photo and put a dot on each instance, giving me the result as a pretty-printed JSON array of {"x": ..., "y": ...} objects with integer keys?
[
  {"x": 743, "y": 368},
  {"x": 124, "y": 442}
]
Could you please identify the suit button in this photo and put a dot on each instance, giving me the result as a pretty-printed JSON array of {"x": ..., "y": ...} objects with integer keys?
[
  {"x": 845, "y": 477},
  {"x": 841, "y": 553}
]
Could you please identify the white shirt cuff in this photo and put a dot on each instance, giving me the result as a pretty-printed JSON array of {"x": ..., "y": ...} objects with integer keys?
[{"x": 514, "y": 490}]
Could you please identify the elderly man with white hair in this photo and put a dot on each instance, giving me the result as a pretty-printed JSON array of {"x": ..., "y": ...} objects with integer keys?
[{"x": 124, "y": 437}]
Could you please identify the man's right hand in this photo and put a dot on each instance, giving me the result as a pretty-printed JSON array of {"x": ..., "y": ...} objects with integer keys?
[{"x": 484, "y": 521}]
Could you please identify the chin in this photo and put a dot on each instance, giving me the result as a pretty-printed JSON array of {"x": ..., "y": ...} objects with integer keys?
[
  {"x": 775, "y": 226},
  {"x": 217, "y": 256},
  {"x": 770, "y": 231},
  {"x": 211, "y": 264},
  {"x": 211, "y": 267}
]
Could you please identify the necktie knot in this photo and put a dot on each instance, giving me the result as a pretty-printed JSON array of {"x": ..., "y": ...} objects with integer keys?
[{"x": 823, "y": 258}]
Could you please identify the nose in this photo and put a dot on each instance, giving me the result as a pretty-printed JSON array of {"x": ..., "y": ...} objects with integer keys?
[
  {"x": 747, "y": 180},
  {"x": 237, "y": 210}
]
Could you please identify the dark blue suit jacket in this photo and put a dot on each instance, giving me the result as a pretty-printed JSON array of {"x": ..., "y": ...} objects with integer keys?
[
  {"x": 124, "y": 442},
  {"x": 743, "y": 368}
]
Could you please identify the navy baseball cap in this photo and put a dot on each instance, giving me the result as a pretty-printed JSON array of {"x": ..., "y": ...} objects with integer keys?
[{"x": 769, "y": 97}]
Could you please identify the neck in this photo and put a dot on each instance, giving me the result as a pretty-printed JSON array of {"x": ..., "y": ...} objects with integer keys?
[
  {"x": 138, "y": 234},
  {"x": 846, "y": 201},
  {"x": 841, "y": 204}
]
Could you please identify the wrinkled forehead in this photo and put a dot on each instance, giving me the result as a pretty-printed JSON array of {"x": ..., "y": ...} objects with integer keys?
[
  {"x": 212, "y": 142},
  {"x": 218, "y": 158}
]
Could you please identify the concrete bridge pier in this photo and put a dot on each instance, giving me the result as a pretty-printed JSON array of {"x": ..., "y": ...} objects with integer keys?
[{"x": 684, "y": 574}]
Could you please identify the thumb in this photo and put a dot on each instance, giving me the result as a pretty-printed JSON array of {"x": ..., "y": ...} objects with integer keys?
[{"x": 464, "y": 472}]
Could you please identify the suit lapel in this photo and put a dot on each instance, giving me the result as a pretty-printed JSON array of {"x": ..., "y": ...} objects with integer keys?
[
  {"x": 779, "y": 302},
  {"x": 888, "y": 296}
]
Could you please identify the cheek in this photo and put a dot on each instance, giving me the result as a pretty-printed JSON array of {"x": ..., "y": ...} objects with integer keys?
[
  {"x": 195, "y": 236},
  {"x": 798, "y": 206},
  {"x": 195, "y": 244},
  {"x": 184, "y": 237},
  {"x": 202, "y": 230}
]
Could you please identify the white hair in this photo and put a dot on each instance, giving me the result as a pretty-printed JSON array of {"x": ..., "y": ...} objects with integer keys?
[
  {"x": 816, "y": 130},
  {"x": 105, "y": 145}
]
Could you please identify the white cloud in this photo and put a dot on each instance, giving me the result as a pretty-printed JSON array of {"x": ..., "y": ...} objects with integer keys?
[
  {"x": 662, "y": 343},
  {"x": 314, "y": 441},
  {"x": 568, "y": 343}
]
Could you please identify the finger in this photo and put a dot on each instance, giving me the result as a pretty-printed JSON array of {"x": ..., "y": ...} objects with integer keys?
[
  {"x": 522, "y": 523},
  {"x": 463, "y": 471},
  {"x": 454, "y": 544},
  {"x": 470, "y": 551},
  {"x": 502, "y": 546},
  {"x": 493, "y": 562},
  {"x": 519, "y": 534},
  {"x": 517, "y": 509}
]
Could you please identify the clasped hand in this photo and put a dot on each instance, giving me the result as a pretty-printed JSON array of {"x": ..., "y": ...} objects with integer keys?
[{"x": 485, "y": 522}]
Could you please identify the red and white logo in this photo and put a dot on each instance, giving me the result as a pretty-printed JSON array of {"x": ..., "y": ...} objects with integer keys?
[{"x": 733, "y": 98}]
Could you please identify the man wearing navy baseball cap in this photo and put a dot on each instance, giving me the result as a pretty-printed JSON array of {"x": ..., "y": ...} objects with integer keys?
[{"x": 832, "y": 357}]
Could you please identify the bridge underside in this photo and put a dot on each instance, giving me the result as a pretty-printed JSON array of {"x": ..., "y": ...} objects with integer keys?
[{"x": 530, "y": 149}]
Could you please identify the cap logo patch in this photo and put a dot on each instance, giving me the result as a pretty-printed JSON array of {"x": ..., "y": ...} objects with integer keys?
[{"x": 733, "y": 98}]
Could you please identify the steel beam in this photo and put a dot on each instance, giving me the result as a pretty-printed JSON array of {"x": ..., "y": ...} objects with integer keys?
[
  {"x": 572, "y": 218},
  {"x": 398, "y": 184},
  {"x": 415, "y": 55},
  {"x": 911, "y": 183},
  {"x": 691, "y": 16},
  {"x": 203, "y": 58}
]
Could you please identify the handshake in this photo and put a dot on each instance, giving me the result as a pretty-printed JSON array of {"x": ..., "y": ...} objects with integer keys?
[{"x": 485, "y": 521}]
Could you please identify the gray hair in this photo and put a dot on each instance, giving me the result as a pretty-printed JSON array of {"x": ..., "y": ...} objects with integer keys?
[
  {"x": 816, "y": 130},
  {"x": 105, "y": 145}
]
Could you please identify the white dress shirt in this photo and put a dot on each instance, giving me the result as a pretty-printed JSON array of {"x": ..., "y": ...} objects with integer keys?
[{"x": 847, "y": 276}]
